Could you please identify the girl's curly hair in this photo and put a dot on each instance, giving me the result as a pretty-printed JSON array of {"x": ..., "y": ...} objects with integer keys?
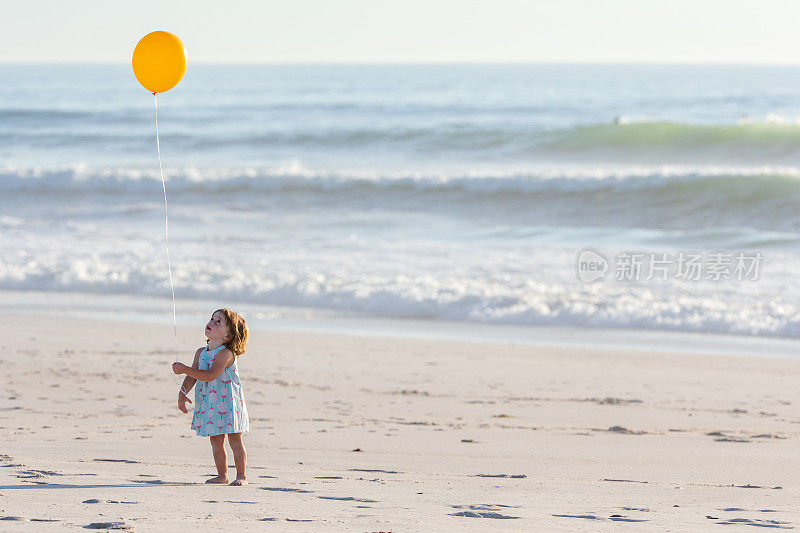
[{"x": 238, "y": 331}]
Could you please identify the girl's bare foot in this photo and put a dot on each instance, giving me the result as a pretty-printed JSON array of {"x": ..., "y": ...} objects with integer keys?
[
  {"x": 239, "y": 482},
  {"x": 220, "y": 480}
]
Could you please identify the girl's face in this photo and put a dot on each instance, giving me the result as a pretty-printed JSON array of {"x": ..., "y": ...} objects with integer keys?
[{"x": 217, "y": 328}]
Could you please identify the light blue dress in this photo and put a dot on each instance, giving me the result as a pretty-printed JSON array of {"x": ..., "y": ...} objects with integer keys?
[{"x": 219, "y": 406}]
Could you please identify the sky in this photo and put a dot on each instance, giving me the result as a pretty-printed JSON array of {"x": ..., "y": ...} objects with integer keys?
[{"x": 415, "y": 31}]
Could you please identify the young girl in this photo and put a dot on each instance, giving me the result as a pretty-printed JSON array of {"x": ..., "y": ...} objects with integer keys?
[{"x": 219, "y": 399}]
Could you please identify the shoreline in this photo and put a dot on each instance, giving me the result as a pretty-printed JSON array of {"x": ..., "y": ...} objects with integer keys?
[{"x": 158, "y": 312}]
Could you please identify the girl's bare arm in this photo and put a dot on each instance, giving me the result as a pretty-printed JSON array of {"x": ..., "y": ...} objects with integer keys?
[
  {"x": 188, "y": 381},
  {"x": 221, "y": 361}
]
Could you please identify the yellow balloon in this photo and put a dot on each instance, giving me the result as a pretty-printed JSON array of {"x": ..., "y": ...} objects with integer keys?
[{"x": 159, "y": 61}]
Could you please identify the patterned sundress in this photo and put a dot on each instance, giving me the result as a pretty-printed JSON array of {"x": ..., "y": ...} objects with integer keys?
[{"x": 219, "y": 406}]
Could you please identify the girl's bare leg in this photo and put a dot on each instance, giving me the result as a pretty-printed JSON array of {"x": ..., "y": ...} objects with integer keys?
[
  {"x": 220, "y": 459},
  {"x": 239, "y": 458}
]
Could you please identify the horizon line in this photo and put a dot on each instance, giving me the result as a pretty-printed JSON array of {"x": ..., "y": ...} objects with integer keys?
[{"x": 416, "y": 63}]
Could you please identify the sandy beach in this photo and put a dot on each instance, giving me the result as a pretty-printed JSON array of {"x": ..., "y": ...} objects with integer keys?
[{"x": 364, "y": 433}]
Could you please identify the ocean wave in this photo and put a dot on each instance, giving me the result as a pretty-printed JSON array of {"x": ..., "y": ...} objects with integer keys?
[
  {"x": 665, "y": 197},
  {"x": 768, "y": 135},
  {"x": 758, "y": 181},
  {"x": 698, "y": 308},
  {"x": 756, "y": 141}
]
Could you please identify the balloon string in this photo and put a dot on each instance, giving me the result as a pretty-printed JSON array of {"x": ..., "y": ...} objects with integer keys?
[{"x": 166, "y": 234}]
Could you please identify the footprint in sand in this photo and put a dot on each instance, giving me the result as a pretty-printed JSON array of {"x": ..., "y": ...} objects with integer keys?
[
  {"x": 777, "y": 524},
  {"x": 622, "y": 518},
  {"x": 97, "y": 500},
  {"x": 474, "y": 514},
  {"x": 623, "y": 480},
  {"x": 758, "y": 510},
  {"x": 347, "y": 499},
  {"x": 626, "y": 431},
  {"x": 366, "y": 470},
  {"x": 109, "y": 525},
  {"x": 613, "y": 517},
  {"x": 37, "y": 473},
  {"x": 767, "y": 436},
  {"x": 723, "y": 437},
  {"x": 483, "y": 511},
  {"x": 285, "y": 489}
]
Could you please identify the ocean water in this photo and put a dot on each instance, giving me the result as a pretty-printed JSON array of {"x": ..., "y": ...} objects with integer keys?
[{"x": 436, "y": 192}]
